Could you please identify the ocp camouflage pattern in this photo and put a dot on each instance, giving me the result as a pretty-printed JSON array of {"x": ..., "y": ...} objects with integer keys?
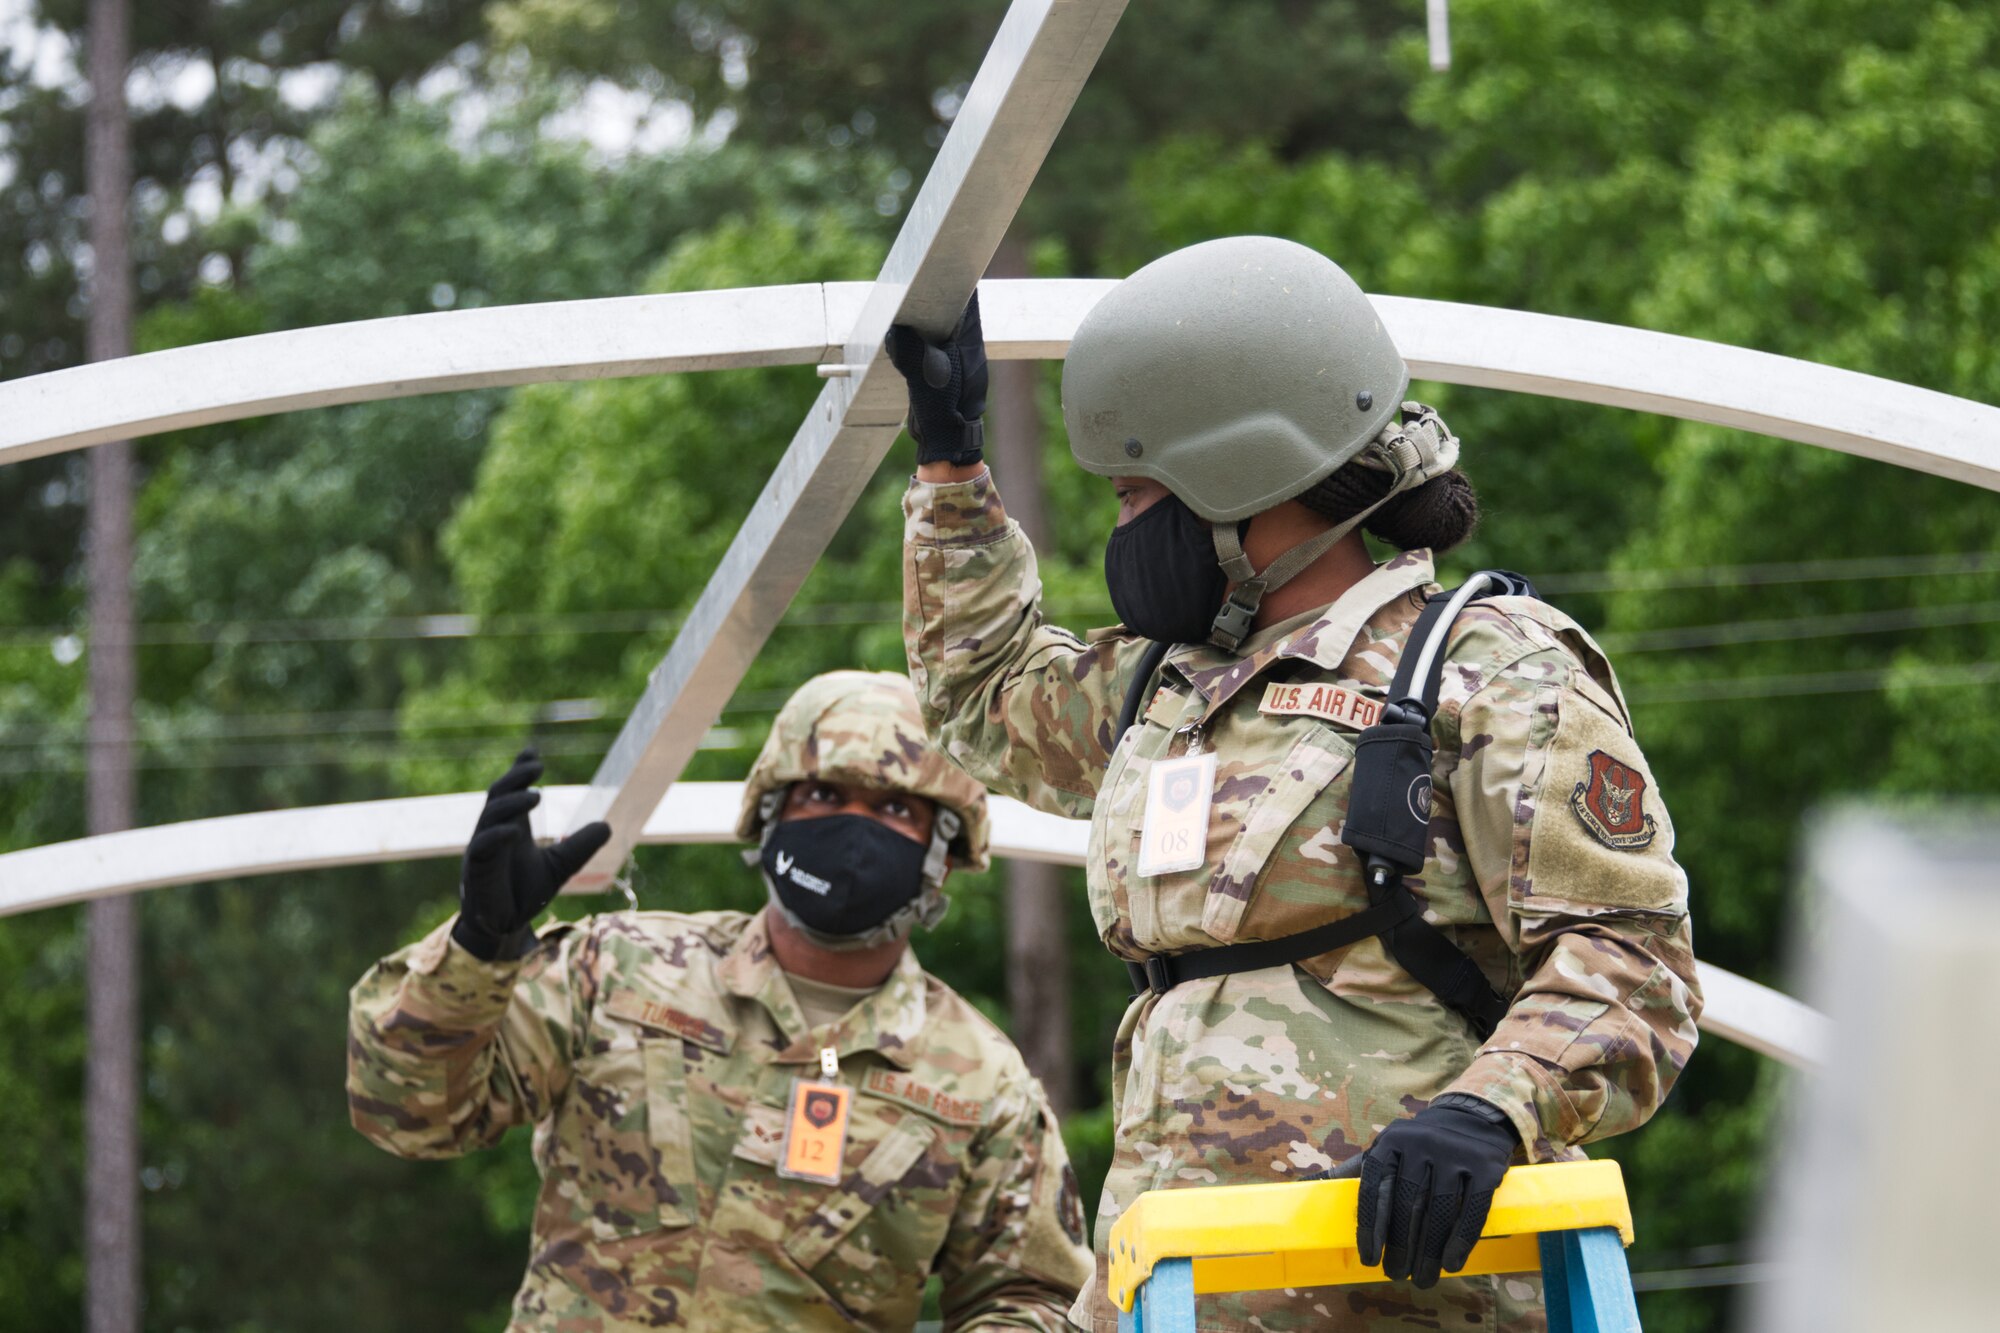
[
  {"x": 1275, "y": 1074},
  {"x": 654, "y": 1054},
  {"x": 864, "y": 728}
]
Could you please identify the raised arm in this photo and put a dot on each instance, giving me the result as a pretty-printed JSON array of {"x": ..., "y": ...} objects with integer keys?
[
  {"x": 446, "y": 1052},
  {"x": 457, "y": 1038},
  {"x": 1022, "y": 705}
]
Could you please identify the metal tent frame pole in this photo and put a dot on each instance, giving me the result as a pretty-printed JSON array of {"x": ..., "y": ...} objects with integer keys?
[
  {"x": 1024, "y": 90},
  {"x": 1025, "y": 319},
  {"x": 418, "y": 827}
]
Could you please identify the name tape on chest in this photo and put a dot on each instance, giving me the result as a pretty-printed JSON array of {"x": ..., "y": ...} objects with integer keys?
[
  {"x": 651, "y": 1013},
  {"x": 1331, "y": 703},
  {"x": 896, "y": 1087}
]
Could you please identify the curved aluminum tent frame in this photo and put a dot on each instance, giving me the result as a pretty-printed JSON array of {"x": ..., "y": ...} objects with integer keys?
[
  {"x": 413, "y": 828},
  {"x": 1040, "y": 57},
  {"x": 1024, "y": 319}
]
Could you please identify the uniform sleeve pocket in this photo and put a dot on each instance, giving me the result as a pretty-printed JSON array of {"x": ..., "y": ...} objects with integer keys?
[
  {"x": 671, "y": 1131},
  {"x": 865, "y": 1186}
]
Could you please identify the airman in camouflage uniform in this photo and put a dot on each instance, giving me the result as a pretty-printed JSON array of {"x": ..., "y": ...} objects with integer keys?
[
  {"x": 654, "y": 1053},
  {"x": 1549, "y": 862}
]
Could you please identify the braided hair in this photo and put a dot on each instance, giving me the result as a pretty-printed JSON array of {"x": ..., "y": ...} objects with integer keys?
[{"x": 1439, "y": 514}]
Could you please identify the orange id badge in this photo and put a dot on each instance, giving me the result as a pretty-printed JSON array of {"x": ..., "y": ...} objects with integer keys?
[{"x": 815, "y": 1132}]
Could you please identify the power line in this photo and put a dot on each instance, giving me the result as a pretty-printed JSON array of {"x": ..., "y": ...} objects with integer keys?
[
  {"x": 1721, "y": 1275},
  {"x": 718, "y": 738},
  {"x": 465, "y": 625},
  {"x": 198, "y": 729},
  {"x": 1704, "y": 690},
  {"x": 237, "y": 726},
  {"x": 1802, "y": 627},
  {"x": 443, "y": 625},
  {"x": 1765, "y": 575},
  {"x": 1819, "y": 682}
]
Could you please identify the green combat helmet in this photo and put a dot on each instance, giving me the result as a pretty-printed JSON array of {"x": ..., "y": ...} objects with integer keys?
[
  {"x": 862, "y": 728},
  {"x": 1237, "y": 373}
]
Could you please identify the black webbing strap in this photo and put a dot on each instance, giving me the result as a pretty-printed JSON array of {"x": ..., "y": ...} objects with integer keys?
[
  {"x": 1388, "y": 822},
  {"x": 1149, "y": 663},
  {"x": 1389, "y": 813},
  {"x": 1162, "y": 972}
]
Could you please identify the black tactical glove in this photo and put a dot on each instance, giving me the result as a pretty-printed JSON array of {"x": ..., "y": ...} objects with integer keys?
[
  {"x": 1426, "y": 1184},
  {"x": 947, "y": 389},
  {"x": 506, "y": 880}
]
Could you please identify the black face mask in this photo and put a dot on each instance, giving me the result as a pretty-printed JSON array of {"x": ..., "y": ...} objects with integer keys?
[
  {"x": 1164, "y": 578},
  {"x": 843, "y": 874}
]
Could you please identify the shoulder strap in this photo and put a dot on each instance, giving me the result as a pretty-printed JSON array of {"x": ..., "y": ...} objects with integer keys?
[
  {"x": 1389, "y": 809},
  {"x": 1135, "y": 693},
  {"x": 1422, "y": 666}
]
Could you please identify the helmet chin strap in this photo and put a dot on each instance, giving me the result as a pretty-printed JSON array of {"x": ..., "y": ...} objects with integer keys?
[
  {"x": 1239, "y": 609},
  {"x": 926, "y": 909},
  {"x": 1414, "y": 450}
]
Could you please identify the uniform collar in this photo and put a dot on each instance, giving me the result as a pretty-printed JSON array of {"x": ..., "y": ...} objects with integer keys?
[
  {"x": 890, "y": 1022},
  {"x": 1324, "y": 640}
]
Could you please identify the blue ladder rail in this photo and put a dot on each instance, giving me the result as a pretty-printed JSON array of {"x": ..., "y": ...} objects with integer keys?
[{"x": 1587, "y": 1287}]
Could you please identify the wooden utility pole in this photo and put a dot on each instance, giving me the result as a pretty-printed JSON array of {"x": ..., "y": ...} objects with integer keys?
[
  {"x": 1037, "y": 904},
  {"x": 111, "y": 1076}
]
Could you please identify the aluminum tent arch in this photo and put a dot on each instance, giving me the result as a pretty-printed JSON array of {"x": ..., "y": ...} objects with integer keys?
[
  {"x": 1039, "y": 60},
  {"x": 416, "y": 827},
  {"x": 1025, "y": 319}
]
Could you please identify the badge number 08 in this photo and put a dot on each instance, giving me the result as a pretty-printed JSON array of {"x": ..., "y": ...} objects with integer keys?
[{"x": 1174, "y": 833}]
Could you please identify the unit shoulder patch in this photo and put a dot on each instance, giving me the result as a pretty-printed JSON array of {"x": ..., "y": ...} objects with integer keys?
[
  {"x": 1610, "y": 803},
  {"x": 891, "y": 1085},
  {"x": 1331, "y": 703}
]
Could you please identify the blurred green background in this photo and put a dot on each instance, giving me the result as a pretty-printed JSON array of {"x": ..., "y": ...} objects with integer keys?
[{"x": 1810, "y": 177}]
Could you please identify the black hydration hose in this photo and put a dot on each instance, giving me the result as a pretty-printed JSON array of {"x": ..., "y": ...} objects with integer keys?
[{"x": 1135, "y": 693}]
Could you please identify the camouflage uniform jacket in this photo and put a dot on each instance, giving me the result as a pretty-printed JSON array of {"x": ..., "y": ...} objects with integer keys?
[
  {"x": 1550, "y": 863},
  {"x": 654, "y": 1053}
]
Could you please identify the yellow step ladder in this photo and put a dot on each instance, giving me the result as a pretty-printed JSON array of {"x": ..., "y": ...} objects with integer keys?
[{"x": 1568, "y": 1219}]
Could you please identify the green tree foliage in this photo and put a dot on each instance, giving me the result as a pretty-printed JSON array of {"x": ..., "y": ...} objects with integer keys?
[
  {"x": 1302, "y": 76},
  {"x": 219, "y": 112},
  {"x": 1810, "y": 177},
  {"x": 552, "y": 526}
]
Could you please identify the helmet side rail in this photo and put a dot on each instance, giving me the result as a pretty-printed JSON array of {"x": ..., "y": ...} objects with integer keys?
[{"x": 419, "y": 827}]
